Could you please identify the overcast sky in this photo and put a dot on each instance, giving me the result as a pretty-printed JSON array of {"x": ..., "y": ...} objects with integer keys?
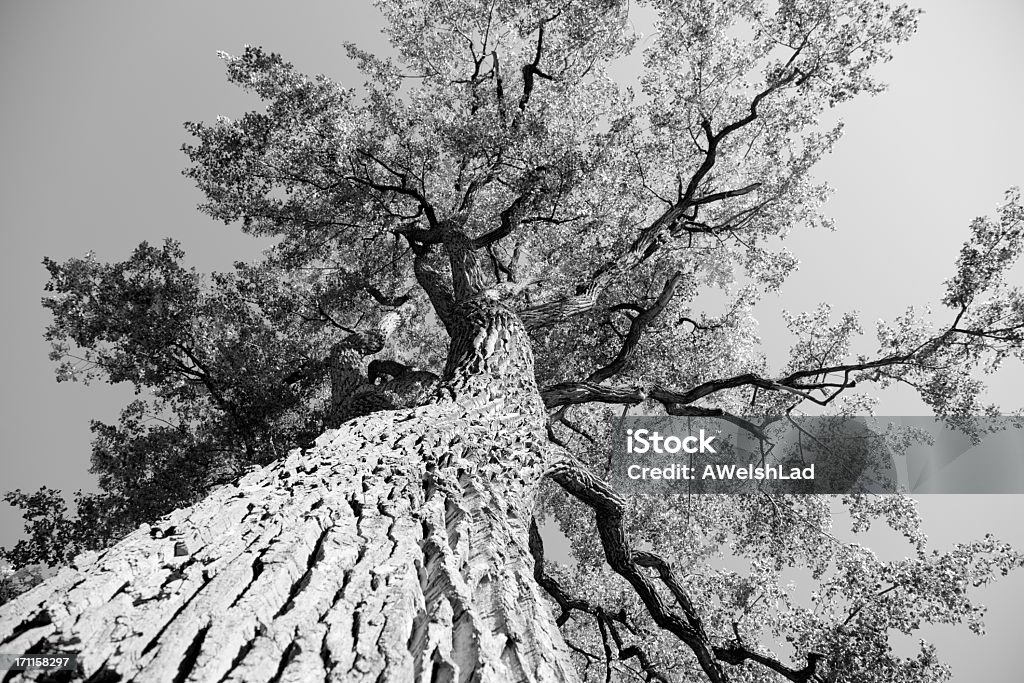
[{"x": 95, "y": 94}]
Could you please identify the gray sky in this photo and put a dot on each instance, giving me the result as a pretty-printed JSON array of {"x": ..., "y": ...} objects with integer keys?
[{"x": 94, "y": 95}]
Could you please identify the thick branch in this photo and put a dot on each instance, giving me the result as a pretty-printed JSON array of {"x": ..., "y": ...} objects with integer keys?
[
  {"x": 577, "y": 393},
  {"x": 609, "y": 509},
  {"x": 558, "y": 310}
]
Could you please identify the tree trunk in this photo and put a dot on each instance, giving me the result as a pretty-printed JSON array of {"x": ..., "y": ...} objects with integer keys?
[{"x": 395, "y": 550}]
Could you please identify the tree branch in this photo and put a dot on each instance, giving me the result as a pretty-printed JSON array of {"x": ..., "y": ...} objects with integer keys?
[
  {"x": 385, "y": 300},
  {"x": 609, "y": 511},
  {"x": 558, "y": 310},
  {"x": 570, "y": 604},
  {"x": 403, "y": 189},
  {"x": 532, "y": 69},
  {"x": 736, "y": 653},
  {"x": 651, "y": 238},
  {"x": 636, "y": 330},
  {"x": 509, "y": 219}
]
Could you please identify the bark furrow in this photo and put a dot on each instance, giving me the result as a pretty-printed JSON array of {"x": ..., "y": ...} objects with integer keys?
[{"x": 395, "y": 550}]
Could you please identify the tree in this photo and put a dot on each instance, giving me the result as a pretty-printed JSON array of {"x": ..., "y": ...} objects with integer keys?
[{"x": 517, "y": 242}]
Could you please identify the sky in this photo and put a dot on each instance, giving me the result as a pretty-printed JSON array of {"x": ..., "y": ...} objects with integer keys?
[{"x": 95, "y": 94}]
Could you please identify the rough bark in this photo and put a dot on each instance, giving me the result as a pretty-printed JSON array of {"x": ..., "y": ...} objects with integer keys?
[{"x": 396, "y": 549}]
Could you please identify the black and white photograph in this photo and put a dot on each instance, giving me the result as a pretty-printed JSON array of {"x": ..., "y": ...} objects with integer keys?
[{"x": 512, "y": 341}]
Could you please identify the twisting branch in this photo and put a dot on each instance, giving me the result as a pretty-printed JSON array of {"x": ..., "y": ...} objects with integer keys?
[
  {"x": 510, "y": 217},
  {"x": 550, "y": 584},
  {"x": 831, "y": 381},
  {"x": 570, "y": 604},
  {"x": 636, "y": 329},
  {"x": 652, "y": 672},
  {"x": 736, "y": 653},
  {"x": 715, "y": 139},
  {"x": 532, "y": 69},
  {"x": 577, "y": 393},
  {"x": 796, "y": 383},
  {"x": 609, "y": 511}
]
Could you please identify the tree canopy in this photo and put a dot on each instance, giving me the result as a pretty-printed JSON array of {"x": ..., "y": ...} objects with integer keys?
[{"x": 632, "y": 227}]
